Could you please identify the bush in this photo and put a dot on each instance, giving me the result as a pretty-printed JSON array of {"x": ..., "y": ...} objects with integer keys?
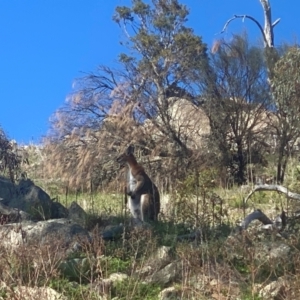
[{"x": 9, "y": 159}]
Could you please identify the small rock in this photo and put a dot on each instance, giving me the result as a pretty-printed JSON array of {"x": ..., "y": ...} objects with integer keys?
[
  {"x": 59, "y": 211},
  {"x": 170, "y": 293},
  {"x": 275, "y": 290},
  {"x": 168, "y": 274},
  {"x": 103, "y": 286},
  {"x": 112, "y": 232},
  {"x": 118, "y": 277},
  {"x": 158, "y": 260},
  {"x": 77, "y": 214},
  {"x": 36, "y": 293},
  {"x": 76, "y": 268},
  {"x": 280, "y": 251}
]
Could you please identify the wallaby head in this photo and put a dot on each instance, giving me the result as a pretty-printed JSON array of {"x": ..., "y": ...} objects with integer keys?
[{"x": 127, "y": 156}]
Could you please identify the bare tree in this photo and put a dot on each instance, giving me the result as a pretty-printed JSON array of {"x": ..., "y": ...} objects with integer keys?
[{"x": 267, "y": 30}]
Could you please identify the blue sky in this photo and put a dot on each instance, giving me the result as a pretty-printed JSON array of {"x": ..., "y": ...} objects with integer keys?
[{"x": 46, "y": 44}]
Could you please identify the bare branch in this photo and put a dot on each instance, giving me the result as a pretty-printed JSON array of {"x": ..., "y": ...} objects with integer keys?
[
  {"x": 275, "y": 22},
  {"x": 248, "y": 17},
  {"x": 276, "y": 188},
  {"x": 277, "y": 225},
  {"x": 255, "y": 215},
  {"x": 267, "y": 31}
]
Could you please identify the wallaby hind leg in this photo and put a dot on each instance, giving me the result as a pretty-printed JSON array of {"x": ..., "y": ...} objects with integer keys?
[
  {"x": 156, "y": 207},
  {"x": 134, "y": 205},
  {"x": 148, "y": 210}
]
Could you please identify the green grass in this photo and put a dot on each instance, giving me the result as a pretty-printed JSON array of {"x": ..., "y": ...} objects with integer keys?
[
  {"x": 133, "y": 252},
  {"x": 73, "y": 290},
  {"x": 112, "y": 265},
  {"x": 98, "y": 203},
  {"x": 135, "y": 290}
]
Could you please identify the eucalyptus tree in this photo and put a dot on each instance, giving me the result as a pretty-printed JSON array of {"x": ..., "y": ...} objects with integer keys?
[
  {"x": 285, "y": 86},
  {"x": 164, "y": 59},
  {"x": 282, "y": 65},
  {"x": 161, "y": 62}
]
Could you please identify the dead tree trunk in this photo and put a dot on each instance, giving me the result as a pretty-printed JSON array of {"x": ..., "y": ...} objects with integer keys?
[{"x": 268, "y": 30}]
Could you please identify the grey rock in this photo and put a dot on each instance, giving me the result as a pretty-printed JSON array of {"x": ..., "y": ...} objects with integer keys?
[
  {"x": 58, "y": 211},
  {"x": 27, "y": 197},
  {"x": 170, "y": 293},
  {"x": 170, "y": 273},
  {"x": 275, "y": 290},
  {"x": 112, "y": 232},
  {"x": 76, "y": 268},
  {"x": 77, "y": 214},
  {"x": 12, "y": 215},
  {"x": 59, "y": 232},
  {"x": 103, "y": 286},
  {"x": 158, "y": 260},
  {"x": 36, "y": 293}
]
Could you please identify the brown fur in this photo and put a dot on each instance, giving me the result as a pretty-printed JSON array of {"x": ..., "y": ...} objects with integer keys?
[{"x": 144, "y": 201}]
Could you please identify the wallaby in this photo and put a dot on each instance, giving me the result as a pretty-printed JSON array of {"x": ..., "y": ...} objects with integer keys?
[{"x": 143, "y": 200}]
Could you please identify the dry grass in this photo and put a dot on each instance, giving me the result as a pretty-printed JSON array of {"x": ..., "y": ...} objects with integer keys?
[{"x": 212, "y": 266}]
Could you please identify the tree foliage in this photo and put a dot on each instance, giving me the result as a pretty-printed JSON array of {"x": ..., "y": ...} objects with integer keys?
[
  {"x": 281, "y": 78},
  {"x": 166, "y": 58},
  {"x": 237, "y": 99},
  {"x": 285, "y": 86},
  {"x": 10, "y": 161},
  {"x": 171, "y": 99},
  {"x": 111, "y": 108}
]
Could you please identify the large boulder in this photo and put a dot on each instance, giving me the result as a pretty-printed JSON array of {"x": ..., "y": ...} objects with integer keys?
[
  {"x": 7, "y": 188},
  {"x": 28, "y": 197},
  {"x": 12, "y": 215},
  {"x": 65, "y": 234}
]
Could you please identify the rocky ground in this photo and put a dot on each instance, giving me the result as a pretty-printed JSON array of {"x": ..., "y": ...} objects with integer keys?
[{"x": 49, "y": 251}]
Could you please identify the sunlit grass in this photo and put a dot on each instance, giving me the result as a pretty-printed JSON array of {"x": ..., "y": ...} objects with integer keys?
[{"x": 126, "y": 254}]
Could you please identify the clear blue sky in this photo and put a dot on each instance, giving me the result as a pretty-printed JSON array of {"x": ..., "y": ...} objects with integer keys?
[{"x": 46, "y": 44}]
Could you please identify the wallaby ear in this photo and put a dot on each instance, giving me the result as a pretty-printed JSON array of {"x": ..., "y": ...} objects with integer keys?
[{"x": 130, "y": 150}]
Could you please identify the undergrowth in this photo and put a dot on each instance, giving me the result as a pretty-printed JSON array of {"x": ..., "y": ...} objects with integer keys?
[{"x": 196, "y": 227}]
